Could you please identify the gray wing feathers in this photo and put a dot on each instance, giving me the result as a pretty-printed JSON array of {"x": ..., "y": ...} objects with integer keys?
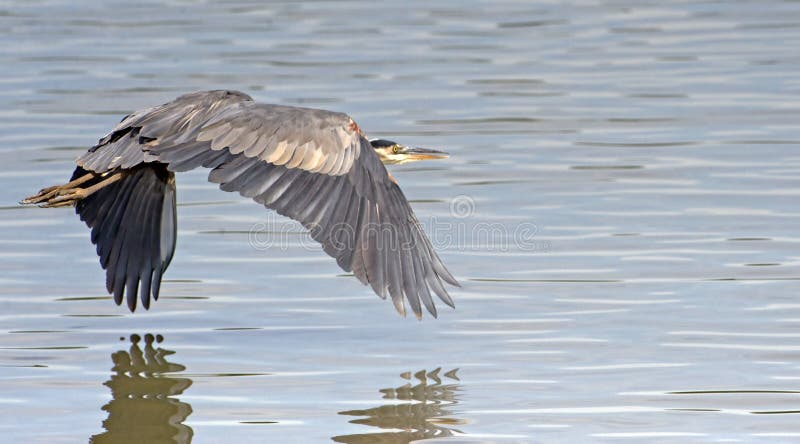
[
  {"x": 308, "y": 139},
  {"x": 313, "y": 140},
  {"x": 126, "y": 145},
  {"x": 133, "y": 226},
  {"x": 311, "y": 165},
  {"x": 379, "y": 240}
]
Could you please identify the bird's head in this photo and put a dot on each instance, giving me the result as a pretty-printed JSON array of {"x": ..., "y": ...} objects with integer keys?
[{"x": 392, "y": 153}]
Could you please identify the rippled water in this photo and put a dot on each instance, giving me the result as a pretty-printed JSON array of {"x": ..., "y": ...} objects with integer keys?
[{"x": 620, "y": 205}]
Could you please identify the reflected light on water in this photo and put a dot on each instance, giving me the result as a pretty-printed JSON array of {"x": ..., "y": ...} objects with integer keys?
[{"x": 143, "y": 408}]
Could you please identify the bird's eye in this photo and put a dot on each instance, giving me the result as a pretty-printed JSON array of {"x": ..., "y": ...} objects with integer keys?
[{"x": 395, "y": 149}]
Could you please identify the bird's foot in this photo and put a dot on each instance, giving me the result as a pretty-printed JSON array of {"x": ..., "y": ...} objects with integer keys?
[
  {"x": 69, "y": 193},
  {"x": 43, "y": 195},
  {"x": 56, "y": 196}
]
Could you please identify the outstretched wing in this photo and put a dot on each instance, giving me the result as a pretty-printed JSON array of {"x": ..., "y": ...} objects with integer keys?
[
  {"x": 312, "y": 165},
  {"x": 133, "y": 226}
]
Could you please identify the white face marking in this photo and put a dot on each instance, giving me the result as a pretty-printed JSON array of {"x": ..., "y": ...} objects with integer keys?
[
  {"x": 398, "y": 154},
  {"x": 389, "y": 157}
]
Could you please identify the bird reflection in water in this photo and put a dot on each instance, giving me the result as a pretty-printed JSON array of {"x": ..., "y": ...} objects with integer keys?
[
  {"x": 143, "y": 408},
  {"x": 422, "y": 413}
]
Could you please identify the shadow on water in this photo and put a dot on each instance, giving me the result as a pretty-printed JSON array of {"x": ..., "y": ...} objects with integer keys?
[
  {"x": 419, "y": 411},
  {"x": 143, "y": 407}
]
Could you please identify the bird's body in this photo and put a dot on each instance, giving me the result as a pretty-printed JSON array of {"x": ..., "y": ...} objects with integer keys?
[{"x": 314, "y": 166}]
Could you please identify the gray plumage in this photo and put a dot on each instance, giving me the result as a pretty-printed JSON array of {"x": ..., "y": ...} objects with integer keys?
[{"x": 311, "y": 165}]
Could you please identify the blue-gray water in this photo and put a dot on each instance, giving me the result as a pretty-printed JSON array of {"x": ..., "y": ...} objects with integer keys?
[{"x": 653, "y": 146}]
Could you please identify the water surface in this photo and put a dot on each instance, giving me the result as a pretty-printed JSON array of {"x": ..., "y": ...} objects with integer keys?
[{"x": 620, "y": 206}]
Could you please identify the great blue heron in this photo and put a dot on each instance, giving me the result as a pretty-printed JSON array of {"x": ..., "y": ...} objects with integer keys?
[{"x": 312, "y": 165}]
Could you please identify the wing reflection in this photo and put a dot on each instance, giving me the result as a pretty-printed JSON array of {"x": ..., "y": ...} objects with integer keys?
[
  {"x": 142, "y": 408},
  {"x": 423, "y": 412}
]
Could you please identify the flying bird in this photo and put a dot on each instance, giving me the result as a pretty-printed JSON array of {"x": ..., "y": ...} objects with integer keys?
[{"x": 314, "y": 166}]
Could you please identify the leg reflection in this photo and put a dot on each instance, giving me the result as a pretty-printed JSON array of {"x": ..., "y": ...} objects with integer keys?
[
  {"x": 423, "y": 411},
  {"x": 142, "y": 409}
]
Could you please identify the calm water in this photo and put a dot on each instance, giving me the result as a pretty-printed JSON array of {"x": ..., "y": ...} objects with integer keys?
[{"x": 621, "y": 206}]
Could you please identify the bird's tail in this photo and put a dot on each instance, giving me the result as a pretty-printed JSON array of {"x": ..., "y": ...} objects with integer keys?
[{"x": 132, "y": 214}]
